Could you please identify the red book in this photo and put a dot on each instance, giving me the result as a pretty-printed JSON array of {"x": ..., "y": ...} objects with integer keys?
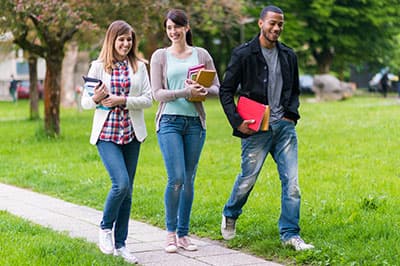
[
  {"x": 249, "y": 109},
  {"x": 193, "y": 70}
]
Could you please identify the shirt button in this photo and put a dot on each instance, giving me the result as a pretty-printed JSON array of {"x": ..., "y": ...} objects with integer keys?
[
  {"x": 265, "y": 68},
  {"x": 265, "y": 80}
]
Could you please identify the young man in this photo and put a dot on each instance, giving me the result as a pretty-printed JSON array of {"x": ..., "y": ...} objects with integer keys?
[{"x": 267, "y": 72}]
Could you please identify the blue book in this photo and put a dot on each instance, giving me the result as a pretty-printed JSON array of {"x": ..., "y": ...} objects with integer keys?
[{"x": 90, "y": 84}]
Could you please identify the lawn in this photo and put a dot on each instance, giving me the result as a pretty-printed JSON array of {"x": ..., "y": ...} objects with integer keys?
[
  {"x": 23, "y": 243},
  {"x": 349, "y": 172}
]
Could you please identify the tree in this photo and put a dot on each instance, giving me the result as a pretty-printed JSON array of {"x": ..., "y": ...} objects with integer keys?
[
  {"x": 32, "y": 63},
  {"x": 354, "y": 31},
  {"x": 332, "y": 34},
  {"x": 215, "y": 23},
  {"x": 54, "y": 22}
]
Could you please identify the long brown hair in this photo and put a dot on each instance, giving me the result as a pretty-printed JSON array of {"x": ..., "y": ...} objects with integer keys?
[
  {"x": 108, "y": 53},
  {"x": 180, "y": 18}
]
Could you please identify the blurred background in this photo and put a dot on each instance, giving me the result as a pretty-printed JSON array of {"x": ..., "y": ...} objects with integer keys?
[{"x": 50, "y": 43}]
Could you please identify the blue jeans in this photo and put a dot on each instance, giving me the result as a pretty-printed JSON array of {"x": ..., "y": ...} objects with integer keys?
[
  {"x": 120, "y": 162},
  {"x": 181, "y": 139},
  {"x": 281, "y": 141}
]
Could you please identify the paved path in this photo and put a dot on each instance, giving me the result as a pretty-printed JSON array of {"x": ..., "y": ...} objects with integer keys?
[{"x": 147, "y": 242}]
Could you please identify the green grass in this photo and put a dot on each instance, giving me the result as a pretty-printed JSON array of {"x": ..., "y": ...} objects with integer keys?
[
  {"x": 349, "y": 172},
  {"x": 23, "y": 243}
]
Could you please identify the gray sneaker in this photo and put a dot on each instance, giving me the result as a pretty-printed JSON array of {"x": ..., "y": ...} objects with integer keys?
[
  {"x": 297, "y": 243},
  {"x": 228, "y": 228}
]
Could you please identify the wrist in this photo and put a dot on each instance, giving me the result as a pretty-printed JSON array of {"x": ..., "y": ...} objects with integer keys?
[{"x": 96, "y": 101}]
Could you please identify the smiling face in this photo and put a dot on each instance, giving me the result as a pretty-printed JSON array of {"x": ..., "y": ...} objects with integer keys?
[
  {"x": 176, "y": 33},
  {"x": 271, "y": 27},
  {"x": 122, "y": 45}
]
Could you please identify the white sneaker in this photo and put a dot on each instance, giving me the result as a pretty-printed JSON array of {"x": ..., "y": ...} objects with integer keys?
[
  {"x": 106, "y": 241},
  {"x": 126, "y": 254},
  {"x": 171, "y": 245},
  {"x": 297, "y": 243},
  {"x": 186, "y": 244},
  {"x": 228, "y": 228}
]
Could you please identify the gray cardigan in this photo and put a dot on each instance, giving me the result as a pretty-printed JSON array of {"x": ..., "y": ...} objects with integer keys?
[{"x": 158, "y": 77}]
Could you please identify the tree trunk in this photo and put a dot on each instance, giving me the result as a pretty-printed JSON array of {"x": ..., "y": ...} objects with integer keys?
[
  {"x": 52, "y": 91},
  {"x": 33, "y": 88},
  {"x": 324, "y": 60},
  {"x": 68, "y": 77}
]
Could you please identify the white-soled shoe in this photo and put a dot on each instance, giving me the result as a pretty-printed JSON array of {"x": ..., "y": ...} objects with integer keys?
[
  {"x": 171, "y": 245},
  {"x": 106, "y": 244},
  {"x": 126, "y": 254},
  {"x": 228, "y": 228},
  {"x": 186, "y": 244},
  {"x": 297, "y": 243}
]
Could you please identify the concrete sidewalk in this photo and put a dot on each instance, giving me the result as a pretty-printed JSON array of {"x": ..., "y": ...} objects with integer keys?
[{"x": 145, "y": 241}]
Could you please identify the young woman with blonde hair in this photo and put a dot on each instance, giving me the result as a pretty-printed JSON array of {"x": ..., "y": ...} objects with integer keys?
[{"x": 118, "y": 128}]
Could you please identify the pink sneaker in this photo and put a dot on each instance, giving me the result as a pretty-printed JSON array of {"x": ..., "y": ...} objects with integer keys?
[
  {"x": 186, "y": 244},
  {"x": 171, "y": 246}
]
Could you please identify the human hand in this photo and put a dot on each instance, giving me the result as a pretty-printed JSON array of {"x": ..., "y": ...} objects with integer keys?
[
  {"x": 244, "y": 127},
  {"x": 100, "y": 92},
  {"x": 113, "y": 100},
  {"x": 195, "y": 88}
]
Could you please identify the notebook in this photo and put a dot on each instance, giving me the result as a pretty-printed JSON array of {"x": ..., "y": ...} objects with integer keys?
[{"x": 249, "y": 109}]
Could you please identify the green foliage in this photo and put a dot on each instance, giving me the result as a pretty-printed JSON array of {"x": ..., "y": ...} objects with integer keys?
[
  {"x": 331, "y": 35},
  {"x": 23, "y": 243},
  {"x": 348, "y": 168}
]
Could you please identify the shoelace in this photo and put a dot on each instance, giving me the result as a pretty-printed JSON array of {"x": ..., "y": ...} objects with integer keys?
[
  {"x": 171, "y": 239},
  {"x": 230, "y": 223},
  {"x": 298, "y": 241},
  {"x": 185, "y": 241},
  {"x": 108, "y": 236}
]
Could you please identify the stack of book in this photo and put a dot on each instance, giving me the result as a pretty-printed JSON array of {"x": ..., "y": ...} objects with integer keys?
[
  {"x": 204, "y": 77},
  {"x": 249, "y": 109}
]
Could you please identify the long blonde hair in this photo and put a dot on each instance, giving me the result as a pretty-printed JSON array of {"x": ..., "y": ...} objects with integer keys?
[{"x": 108, "y": 53}]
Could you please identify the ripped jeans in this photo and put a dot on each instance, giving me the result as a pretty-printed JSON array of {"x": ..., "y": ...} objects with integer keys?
[
  {"x": 181, "y": 139},
  {"x": 281, "y": 141}
]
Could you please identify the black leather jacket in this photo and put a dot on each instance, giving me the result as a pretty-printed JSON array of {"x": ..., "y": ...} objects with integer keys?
[{"x": 248, "y": 70}]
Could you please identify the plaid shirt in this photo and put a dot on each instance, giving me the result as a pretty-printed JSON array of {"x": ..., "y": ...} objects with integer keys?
[{"x": 118, "y": 126}]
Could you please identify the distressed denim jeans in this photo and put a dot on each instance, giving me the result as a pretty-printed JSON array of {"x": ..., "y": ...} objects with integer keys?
[
  {"x": 120, "y": 162},
  {"x": 281, "y": 142},
  {"x": 181, "y": 139}
]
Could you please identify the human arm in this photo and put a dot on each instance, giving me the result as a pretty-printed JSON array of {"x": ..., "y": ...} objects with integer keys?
[
  {"x": 292, "y": 109},
  {"x": 229, "y": 86},
  {"x": 209, "y": 64},
  {"x": 90, "y": 99},
  {"x": 140, "y": 92}
]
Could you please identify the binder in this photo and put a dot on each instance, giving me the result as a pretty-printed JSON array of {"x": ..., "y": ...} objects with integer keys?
[{"x": 249, "y": 109}]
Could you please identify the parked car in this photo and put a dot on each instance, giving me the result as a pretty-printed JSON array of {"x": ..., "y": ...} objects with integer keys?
[
  {"x": 23, "y": 89},
  {"x": 306, "y": 84}
]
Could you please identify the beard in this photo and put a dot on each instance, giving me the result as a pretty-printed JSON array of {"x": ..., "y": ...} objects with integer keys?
[{"x": 270, "y": 37}]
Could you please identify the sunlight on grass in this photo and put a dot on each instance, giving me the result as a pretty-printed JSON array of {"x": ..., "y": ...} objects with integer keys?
[{"x": 349, "y": 172}]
